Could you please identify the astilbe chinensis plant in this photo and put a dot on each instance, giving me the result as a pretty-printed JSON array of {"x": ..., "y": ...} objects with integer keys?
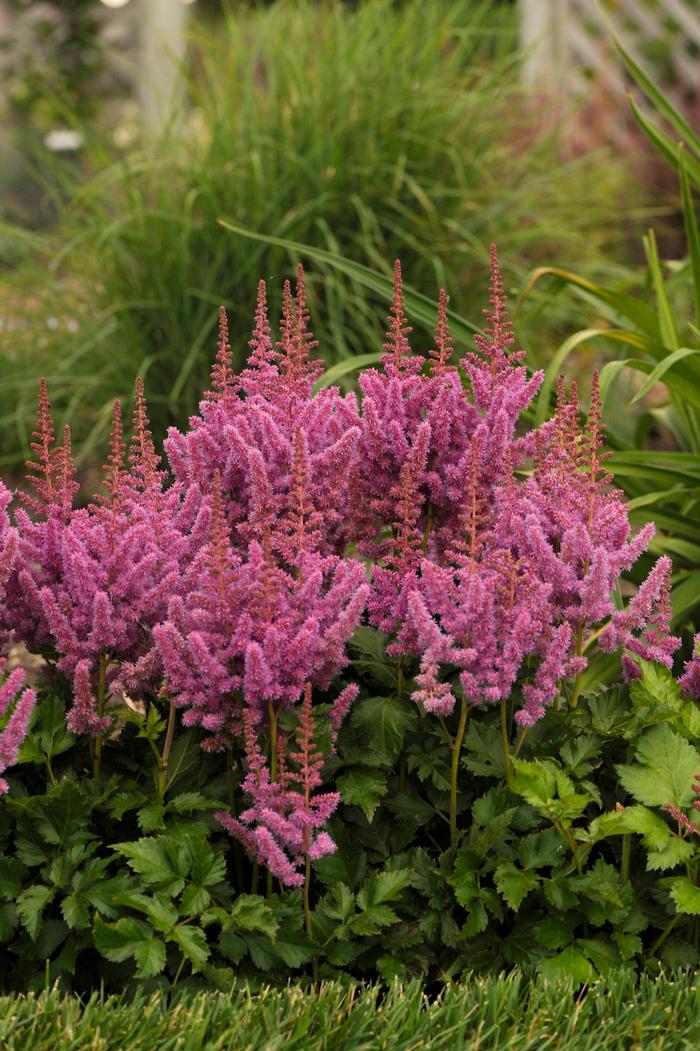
[
  {"x": 501, "y": 558},
  {"x": 226, "y": 587}
]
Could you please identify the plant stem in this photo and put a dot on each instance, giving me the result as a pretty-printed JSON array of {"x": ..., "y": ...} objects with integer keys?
[
  {"x": 563, "y": 831},
  {"x": 505, "y": 739},
  {"x": 520, "y": 741},
  {"x": 454, "y": 771},
  {"x": 165, "y": 754},
  {"x": 665, "y": 933},
  {"x": 49, "y": 771},
  {"x": 308, "y": 922},
  {"x": 399, "y": 696},
  {"x": 273, "y": 767},
  {"x": 626, "y": 856},
  {"x": 101, "y": 697},
  {"x": 577, "y": 681},
  {"x": 428, "y": 526}
]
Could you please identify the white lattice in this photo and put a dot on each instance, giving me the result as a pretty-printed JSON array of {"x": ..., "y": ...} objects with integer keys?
[{"x": 570, "y": 54}]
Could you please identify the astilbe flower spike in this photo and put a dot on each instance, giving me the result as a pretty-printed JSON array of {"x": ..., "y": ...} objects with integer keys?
[
  {"x": 93, "y": 581},
  {"x": 16, "y": 706},
  {"x": 648, "y": 614},
  {"x": 506, "y": 581},
  {"x": 250, "y": 438},
  {"x": 690, "y": 679},
  {"x": 223, "y": 379},
  {"x": 285, "y": 824}
]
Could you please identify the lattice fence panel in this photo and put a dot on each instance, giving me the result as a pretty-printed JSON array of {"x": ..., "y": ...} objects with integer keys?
[{"x": 570, "y": 55}]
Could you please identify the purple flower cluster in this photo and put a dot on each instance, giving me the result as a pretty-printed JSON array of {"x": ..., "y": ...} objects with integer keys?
[
  {"x": 225, "y": 584},
  {"x": 16, "y": 706},
  {"x": 486, "y": 567},
  {"x": 284, "y": 826}
]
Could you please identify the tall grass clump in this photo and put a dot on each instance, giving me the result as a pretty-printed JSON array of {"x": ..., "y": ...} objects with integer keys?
[{"x": 373, "y": 131}]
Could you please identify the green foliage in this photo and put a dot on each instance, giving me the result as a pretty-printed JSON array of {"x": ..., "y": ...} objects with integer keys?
[
  {"x": 568, "y": 866},
  {"x": 283, "y": 132}
]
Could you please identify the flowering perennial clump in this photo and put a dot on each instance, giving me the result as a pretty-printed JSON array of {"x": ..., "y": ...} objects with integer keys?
[{"x": 229, "y": 580}]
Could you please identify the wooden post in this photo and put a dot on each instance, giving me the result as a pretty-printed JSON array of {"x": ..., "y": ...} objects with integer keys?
[
  {"x": 543, "y": 38},
  {"x": 161, "y": 49}
]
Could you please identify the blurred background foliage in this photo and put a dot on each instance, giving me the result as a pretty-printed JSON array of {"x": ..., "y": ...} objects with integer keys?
[{"x": 372, "y": 130}]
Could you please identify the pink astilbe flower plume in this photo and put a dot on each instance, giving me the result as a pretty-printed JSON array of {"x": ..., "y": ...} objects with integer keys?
[
  {"x": 285, "y": 823},
  {"x": 252, "y": 629},
  {"x": 250, "y": 438},
  {"x": 223, "y": 380},
  {"x": 93, "y": 581},
  {"x": 441, "y": 354},
  {"x": 643, "y": 627},
  {"x": 42, "y": 469},
  {"x": 690, "y": 679},
  {"x": 16, "y": 705},
  {"x": 297, "y": 340},
  {"x": 262, "y": 372}
]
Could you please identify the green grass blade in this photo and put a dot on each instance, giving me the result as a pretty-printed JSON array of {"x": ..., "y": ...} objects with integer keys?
[
  {"x": 666, "y": 146},
  {"x": 661, "y": 369},
  {"x": 654, "y": 94},
  {"x": 344, "y": 368},
  {"x": 420, "y": 307},
  {"x": 619, "y": 302},
  {"x": 667, "y": 321},
  {"x": 691, "y": 229}
]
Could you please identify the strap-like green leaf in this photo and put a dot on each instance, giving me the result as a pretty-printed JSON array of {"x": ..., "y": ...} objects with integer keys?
[{"x": 420, "y": 307}]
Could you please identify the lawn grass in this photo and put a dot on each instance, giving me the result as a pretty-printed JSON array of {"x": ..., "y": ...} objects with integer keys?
[{"x": 500, "y": 1013}]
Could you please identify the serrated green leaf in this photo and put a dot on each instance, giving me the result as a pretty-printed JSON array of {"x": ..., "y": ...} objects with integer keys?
[
  {"x": 542, "y": 849},
  {"x": 160, "y": 862},
  {"x": 677, "y": 852},
  {"x": 477, "y": 920},
  {"x": 121, "y": 802},
  {"x": 629, "y": 945},
  {"x": 382, "y": 887},
  {"x": 150, "y": 817},
  {"x": 150, "y": 957},
  {"x": 363, "y": 788},
  {"x": 464, "y": 879},
  {"x": 192, "y": 943},
  {"x": 559, "y": 893},
  {"x": 602, "y": 952},
  {"x": 251, "y": 913},
  {"x": 118, "y": 941},
  {"x": 666, "y": 766},
  {"x": 514, "y": 884},
  {"x": 74, "y": 909},
  {"x": 385, "y": 721},
  {"x": 554, "y": 932},
  {"x": 30, "y": 907},
  {"x": 232, "y": 946},
  {"x": 293, "y": 949},
  {"x": 570, "y": 963},
  {"x": 484, "y": 751},
  {"x": 372, "y": 919},
  {"x": 686, "y": 896},
  {"x": 187, "y": 802},
  {"x": 12, "y": 874}
]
